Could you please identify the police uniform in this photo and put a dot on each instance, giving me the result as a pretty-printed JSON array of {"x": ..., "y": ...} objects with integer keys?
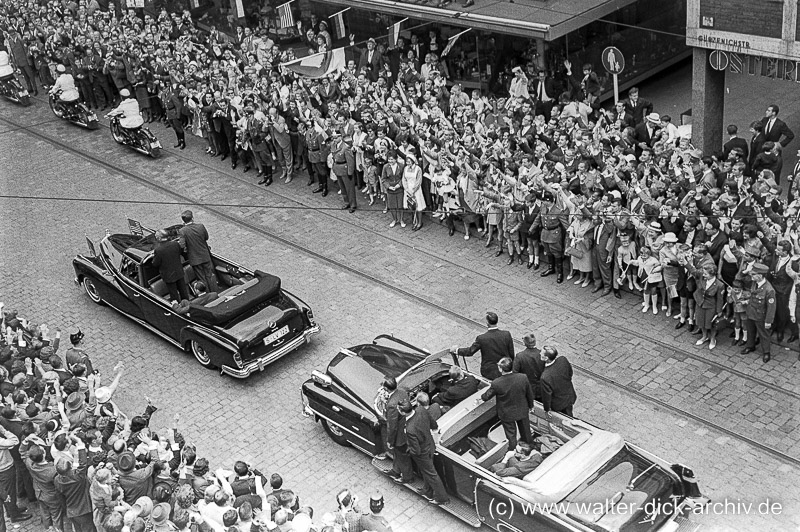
[
  {"x": 760, "y": 312},
  {"x": 553, "y": 221},
  {"x": 317, "y": 157},
  {"x": 344, "y": 167}
]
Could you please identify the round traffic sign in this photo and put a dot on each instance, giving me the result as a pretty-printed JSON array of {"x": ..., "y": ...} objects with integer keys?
[{"x": 613, "y": 60}]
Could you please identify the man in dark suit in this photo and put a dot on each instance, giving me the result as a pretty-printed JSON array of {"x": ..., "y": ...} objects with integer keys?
[
  {"x": 203, "y": 296},
  {"x": 494, "y": 345},
  {"x": 194, "y": 239},
  {"x": 645, "y": 132},
  {"x": 734, "y": 141},
  {"x": 72, "y": 483},
  {"x": 529, "y": 362},
  {"x": 167, "y": 258},
  {"x": 775, "y": 129},
  {"x": 223, "y": 118},
  {"x": 396, "y": 433},
  {"x": 514, "y": 400},
  {"x": 370, "y": 61},
  {"x": 344, "y": 167},
  {"x": 421, "y": 448},
  {"x": 558, "y": 394},
  {"x": 637, "y": 107},
  {"x": 519, "y": 462},
  {"x": 605, "y": 243},
  {"x": 462, "y": 385},
  {"x": 544, "y": 94}
]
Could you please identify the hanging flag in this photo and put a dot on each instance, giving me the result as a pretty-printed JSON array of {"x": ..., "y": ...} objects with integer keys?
[
  {"x": 394, "y": 32},
  {"x": 285, "y": 16},
  {"x": 338, "y": 25},
  {"x": 452, "y": 40},
  {"x": 340, "y": 32},
  {"x": 317, "y": 65}
]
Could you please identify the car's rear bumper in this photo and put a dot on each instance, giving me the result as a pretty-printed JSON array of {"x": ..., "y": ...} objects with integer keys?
[{"x": 261, "y": 362}]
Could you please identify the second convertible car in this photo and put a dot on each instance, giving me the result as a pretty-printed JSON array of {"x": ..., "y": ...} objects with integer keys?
[
  {"x": 589, "y": 480},
  {"x": 251, "y": 323}
]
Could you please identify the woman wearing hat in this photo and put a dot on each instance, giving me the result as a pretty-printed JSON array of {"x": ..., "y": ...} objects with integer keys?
[{"x": 413, "y": 199}]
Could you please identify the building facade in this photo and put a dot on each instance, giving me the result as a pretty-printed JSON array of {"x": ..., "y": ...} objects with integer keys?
[{"x": 737, "y": 38}]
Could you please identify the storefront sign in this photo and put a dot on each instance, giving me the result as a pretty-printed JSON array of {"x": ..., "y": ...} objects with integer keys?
[
  {"x": 755, "y": 65},
  {"x": 708, "y": 40}
]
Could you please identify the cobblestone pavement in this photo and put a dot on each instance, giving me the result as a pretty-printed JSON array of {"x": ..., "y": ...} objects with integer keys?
[{"x": 616, "y": 342}]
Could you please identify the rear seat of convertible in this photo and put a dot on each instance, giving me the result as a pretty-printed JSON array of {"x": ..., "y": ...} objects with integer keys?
[{"x": 159, "y": 287}]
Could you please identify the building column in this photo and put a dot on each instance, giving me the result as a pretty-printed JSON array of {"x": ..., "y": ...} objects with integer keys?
[{"x": 708, "y": 103}]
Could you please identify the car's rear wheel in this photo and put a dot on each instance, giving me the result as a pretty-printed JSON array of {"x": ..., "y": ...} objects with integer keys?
[
  {"x": 336, "y": 433},
  {"x": 91, "y": 290},
  {"x": 200, "y": 353}
]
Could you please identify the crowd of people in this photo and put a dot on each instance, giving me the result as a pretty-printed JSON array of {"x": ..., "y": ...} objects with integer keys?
[
  {"x": 68, "y": 448},
  {"x": 604, "y": 198}
]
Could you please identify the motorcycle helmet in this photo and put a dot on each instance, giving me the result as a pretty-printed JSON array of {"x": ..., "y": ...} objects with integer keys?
[
  {"x": 124, "y": 93},
  {"x": 61, "y": 69}
]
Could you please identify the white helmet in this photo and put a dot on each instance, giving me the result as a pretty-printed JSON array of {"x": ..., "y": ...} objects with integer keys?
[
  {"x": 124, "y": 93},
  {"x": 61, "y": 68}
]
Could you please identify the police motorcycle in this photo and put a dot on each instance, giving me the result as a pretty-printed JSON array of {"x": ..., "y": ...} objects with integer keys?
[
  {"x": 136, "y": 135},
  {"x": 75, "y": 112},
  {"x": 9, "y": 86},
  {"x": 140, "y": 139}
]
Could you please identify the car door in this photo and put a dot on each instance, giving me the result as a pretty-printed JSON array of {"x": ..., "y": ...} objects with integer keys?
[
  {"x": 506, "y": 512},
  {"x": 115, "y": 291},
  {"x": 159, "y": 314}
]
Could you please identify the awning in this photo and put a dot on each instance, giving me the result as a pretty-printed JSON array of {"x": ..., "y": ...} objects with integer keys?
[{"x": 547, "y": 20}]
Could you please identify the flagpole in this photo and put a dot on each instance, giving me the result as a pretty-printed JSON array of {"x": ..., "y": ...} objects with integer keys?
[
  {"x": 286, "y": 3},
  {"x": 339, "y": 12},
  {"x": 393, "y": 25}
]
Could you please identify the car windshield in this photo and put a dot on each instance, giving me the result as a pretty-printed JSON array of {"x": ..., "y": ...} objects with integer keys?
[{"x": 623, "y": 494}]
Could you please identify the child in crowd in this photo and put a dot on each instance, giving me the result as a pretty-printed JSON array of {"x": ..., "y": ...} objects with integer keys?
[
  {"x": 650, "y": 268},
  {"x": 738, "y": 297}
]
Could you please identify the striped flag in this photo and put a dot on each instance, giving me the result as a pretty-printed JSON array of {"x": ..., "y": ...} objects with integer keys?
[
  {"x": 394, "y": 33},
  {"x": 285, "y": 16},
  {"x": 317, "y": 65},
  {"x": 452, "y": 41},
  {"x": 338, "y": 25}
]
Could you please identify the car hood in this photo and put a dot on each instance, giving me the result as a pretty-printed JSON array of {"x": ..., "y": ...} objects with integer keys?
[{"x": 362, "y": 372}]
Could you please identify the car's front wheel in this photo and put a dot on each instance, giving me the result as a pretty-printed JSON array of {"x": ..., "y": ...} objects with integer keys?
[
  {"x": 336, "y": 433},
  {"x": 91, "y": 290},
  {"x": 200, "y": 353}
]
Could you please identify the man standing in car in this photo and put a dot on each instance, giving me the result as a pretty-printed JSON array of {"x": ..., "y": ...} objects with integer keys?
[
  {"x": 494, "y": 345},
  {"x": 514, "y": 401},
  {"x": 421, "y": 448},
  {"x": 529, "y": 362},
  {"x": 194, "y": 239},
  {"x": 558, "y": 394},
  {"x": 167, "y": 258}
]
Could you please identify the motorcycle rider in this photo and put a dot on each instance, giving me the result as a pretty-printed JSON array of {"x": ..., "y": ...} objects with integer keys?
[
  {"x": 129, "y": 109},
  {"x": 6, "y": 70},
  {"x": 66, "y": 84}
]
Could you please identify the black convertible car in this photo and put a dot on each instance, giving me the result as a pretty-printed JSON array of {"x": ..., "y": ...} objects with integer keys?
[
  {"x": 589, "y": 480},
  {"x": 251, "y": 323}
]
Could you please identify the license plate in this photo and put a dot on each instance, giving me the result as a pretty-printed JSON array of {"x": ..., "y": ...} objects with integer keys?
[
  {"x": 280, "y": 333},
  {"x": 155, "y": 144}
]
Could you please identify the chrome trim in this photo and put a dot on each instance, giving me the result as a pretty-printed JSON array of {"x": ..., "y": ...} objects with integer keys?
[
  {"x": 147, "y": 326},
  {"x": 259, "y": 363},
  {"x": 329, "y": 420}
]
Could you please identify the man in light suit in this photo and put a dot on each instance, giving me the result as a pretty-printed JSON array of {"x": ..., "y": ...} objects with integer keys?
[
  {"x": 514, "y": 401},
  {"x": 775, "y": 129},
  {"x": 193, "y": 238},
  {"x": 494, "y": 345}
]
